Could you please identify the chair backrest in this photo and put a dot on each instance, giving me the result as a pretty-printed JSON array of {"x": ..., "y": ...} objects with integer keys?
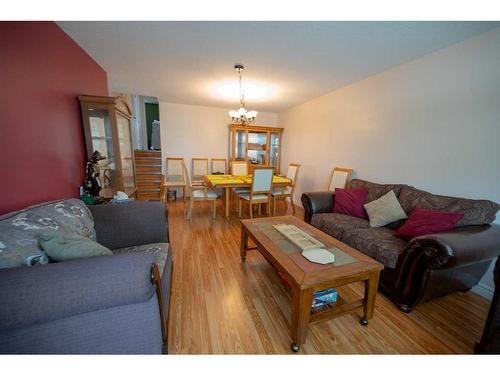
[
  {"x": 340, "y": 178},
  {"x": 262, "y": 180},
  {"x": 219, "y": 166},
  {"x": 199, "y": 168},
  {"x": 239, "y": 168},
  {"x": 175, "y": 167},
  {"x": 291, "y": 174},
  {"x": 188, "y": 177}
]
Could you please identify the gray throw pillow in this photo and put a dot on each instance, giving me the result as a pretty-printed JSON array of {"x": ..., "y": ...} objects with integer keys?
[
  {"x": 384, "y": 210},
  {"x": 62, "y": 246}
]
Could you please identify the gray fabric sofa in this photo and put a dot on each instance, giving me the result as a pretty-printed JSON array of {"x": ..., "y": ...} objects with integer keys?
[{"x": 100, "y": 305}]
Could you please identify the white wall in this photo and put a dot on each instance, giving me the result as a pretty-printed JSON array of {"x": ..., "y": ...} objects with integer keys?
[
  {"x": 195, "y": 131},
  {"x": 433, "y": 123}
]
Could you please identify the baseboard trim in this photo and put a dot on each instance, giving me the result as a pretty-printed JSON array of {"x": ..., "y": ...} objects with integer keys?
[{"x": 483, "y": 290}]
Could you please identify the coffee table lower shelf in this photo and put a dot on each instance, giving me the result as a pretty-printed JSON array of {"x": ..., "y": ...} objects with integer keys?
[{"x": 335, "y": 309}]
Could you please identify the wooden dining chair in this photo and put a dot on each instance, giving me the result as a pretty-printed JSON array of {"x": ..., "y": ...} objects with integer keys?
[
  {"x": 219, "y": 166},
  {"x": 175, "y": 176},
  {"x": 260, "y": 190},
  {"x": 287, "y": 192},
  {"x": 199, "y": 168},
  {"x": 340, "y": 178},
  {"x": 199, "y": 193},
  {"x": 163, "y": 197},
  {"x": 239, "y": 168}
]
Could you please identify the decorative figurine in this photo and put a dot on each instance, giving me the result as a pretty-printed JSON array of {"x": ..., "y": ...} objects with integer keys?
[{"x": 92, "y": 185}]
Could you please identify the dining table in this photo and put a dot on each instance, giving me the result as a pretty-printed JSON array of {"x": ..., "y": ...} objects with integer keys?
[{"x": 227, "y": 182}]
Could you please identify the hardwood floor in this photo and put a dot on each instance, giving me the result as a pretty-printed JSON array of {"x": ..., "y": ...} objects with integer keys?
[{"x": 220, "y": 305}]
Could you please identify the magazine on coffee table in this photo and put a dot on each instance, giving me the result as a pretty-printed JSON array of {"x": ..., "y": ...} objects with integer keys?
[{"x": 300, "y": 238}]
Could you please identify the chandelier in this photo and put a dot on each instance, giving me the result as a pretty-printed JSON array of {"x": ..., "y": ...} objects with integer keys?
[{"x": 242, "y": 116}]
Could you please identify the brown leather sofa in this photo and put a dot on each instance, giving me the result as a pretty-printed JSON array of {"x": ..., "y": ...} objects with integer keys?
[{"x": 428, "y": 266}]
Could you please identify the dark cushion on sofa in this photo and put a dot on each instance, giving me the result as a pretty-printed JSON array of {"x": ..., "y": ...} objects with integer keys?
[
  {"x": 378, "y": 243},
  {"x": 476, "y": 212},
  {"x": 336, "y": 224},
  {"x": 132, "y": 224},
  {"x": 375, "y": 191},
  {"x": 423, "y": 221},
  {"x": 350, "y": 202}
]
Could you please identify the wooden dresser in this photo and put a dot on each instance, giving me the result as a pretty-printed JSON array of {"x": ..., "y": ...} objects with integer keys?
[{"x": 148, "y": 176}]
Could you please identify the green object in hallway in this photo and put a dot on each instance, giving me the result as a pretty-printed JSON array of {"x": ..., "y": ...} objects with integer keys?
[
  {"x": 88, "y": 199},
  {"x": 152, "y": 114}
]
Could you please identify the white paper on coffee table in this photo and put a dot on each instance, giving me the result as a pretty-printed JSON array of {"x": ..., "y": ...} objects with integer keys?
[{"x": 320, "y": 256}]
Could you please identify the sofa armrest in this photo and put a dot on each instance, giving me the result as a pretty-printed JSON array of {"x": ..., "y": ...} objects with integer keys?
[
  {"x": 316, "y": 203},
  {"x": 460, "y": 256},
  {"x": 132, "y": 224},
  {"x": 39, "y": 294},
  {"x": 462, "y": 246}
]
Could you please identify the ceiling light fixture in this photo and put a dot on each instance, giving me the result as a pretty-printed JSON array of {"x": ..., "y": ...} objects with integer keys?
[{"x": 242, "y": 116}]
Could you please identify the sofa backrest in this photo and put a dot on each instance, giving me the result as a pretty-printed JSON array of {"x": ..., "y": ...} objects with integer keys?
[
  {"x": 476, "y": 211},
  {"x": 375, "y": 191},
  {"x": 19, "y": 231}
]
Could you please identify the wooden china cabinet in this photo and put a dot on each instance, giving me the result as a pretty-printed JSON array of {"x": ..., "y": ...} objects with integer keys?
[
  {"x": 257, "y": 145},
  {"x": 106, "y": 124}
]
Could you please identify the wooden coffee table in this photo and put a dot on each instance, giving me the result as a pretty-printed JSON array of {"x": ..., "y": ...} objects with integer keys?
[{"x": 306, "y": 277}]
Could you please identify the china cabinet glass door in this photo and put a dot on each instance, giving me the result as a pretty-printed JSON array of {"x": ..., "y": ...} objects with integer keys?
[
  {"x": 257, "y": 148},
  {"x": 102, "y": 141},
  {"x": 274, "y": 149},
  {"x": 126, "y": 152},
  {"x": 240, "y": 145}
]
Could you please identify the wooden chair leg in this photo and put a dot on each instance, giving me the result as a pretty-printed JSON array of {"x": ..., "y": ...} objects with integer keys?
[
  {"x": 259, "y": 206},
  {"x": 214, "y": 208},
  {"x": 250, "y": 208},
  {"x": 268, "y": 207},
  {"x": 239, "y": 208},
  {"x": 274, "y": 205},
  {"x": 293, "y": 206},
  {"x": 190, "y": 209},
  {"x": 183, "y": 194}
]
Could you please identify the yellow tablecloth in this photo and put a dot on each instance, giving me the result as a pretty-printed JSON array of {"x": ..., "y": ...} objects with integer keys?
[{"x": 226, "y": 179}]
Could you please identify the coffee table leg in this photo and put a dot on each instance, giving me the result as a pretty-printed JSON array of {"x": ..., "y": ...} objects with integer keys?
[
  {"x": 371, "y": 287},
  {"x": 301, "y": 312},
  {"x": 243, "y": 244}
]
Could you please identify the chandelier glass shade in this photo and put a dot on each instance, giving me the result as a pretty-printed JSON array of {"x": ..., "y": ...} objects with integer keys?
[{"x": 242, "y": 116}]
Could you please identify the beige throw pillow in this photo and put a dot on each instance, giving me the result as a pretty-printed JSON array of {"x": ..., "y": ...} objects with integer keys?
[
  {"x": 62, "y": 246},
  {"x": 384, "y": 210}
]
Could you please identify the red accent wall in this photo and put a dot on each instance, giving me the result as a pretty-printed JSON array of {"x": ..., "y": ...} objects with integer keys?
[{"x": 42, "y": 70}]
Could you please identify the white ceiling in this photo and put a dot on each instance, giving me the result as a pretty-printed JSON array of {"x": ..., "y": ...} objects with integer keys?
[{"x": 181, "y": 62}]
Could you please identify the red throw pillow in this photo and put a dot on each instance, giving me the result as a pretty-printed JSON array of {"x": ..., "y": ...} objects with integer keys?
[
  {"x": 423, "y": 221},
  {"x": 350, "y": 202}
]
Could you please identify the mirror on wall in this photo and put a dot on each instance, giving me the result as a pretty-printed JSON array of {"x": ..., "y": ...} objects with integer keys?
[{"x": 145, "y": 121}]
